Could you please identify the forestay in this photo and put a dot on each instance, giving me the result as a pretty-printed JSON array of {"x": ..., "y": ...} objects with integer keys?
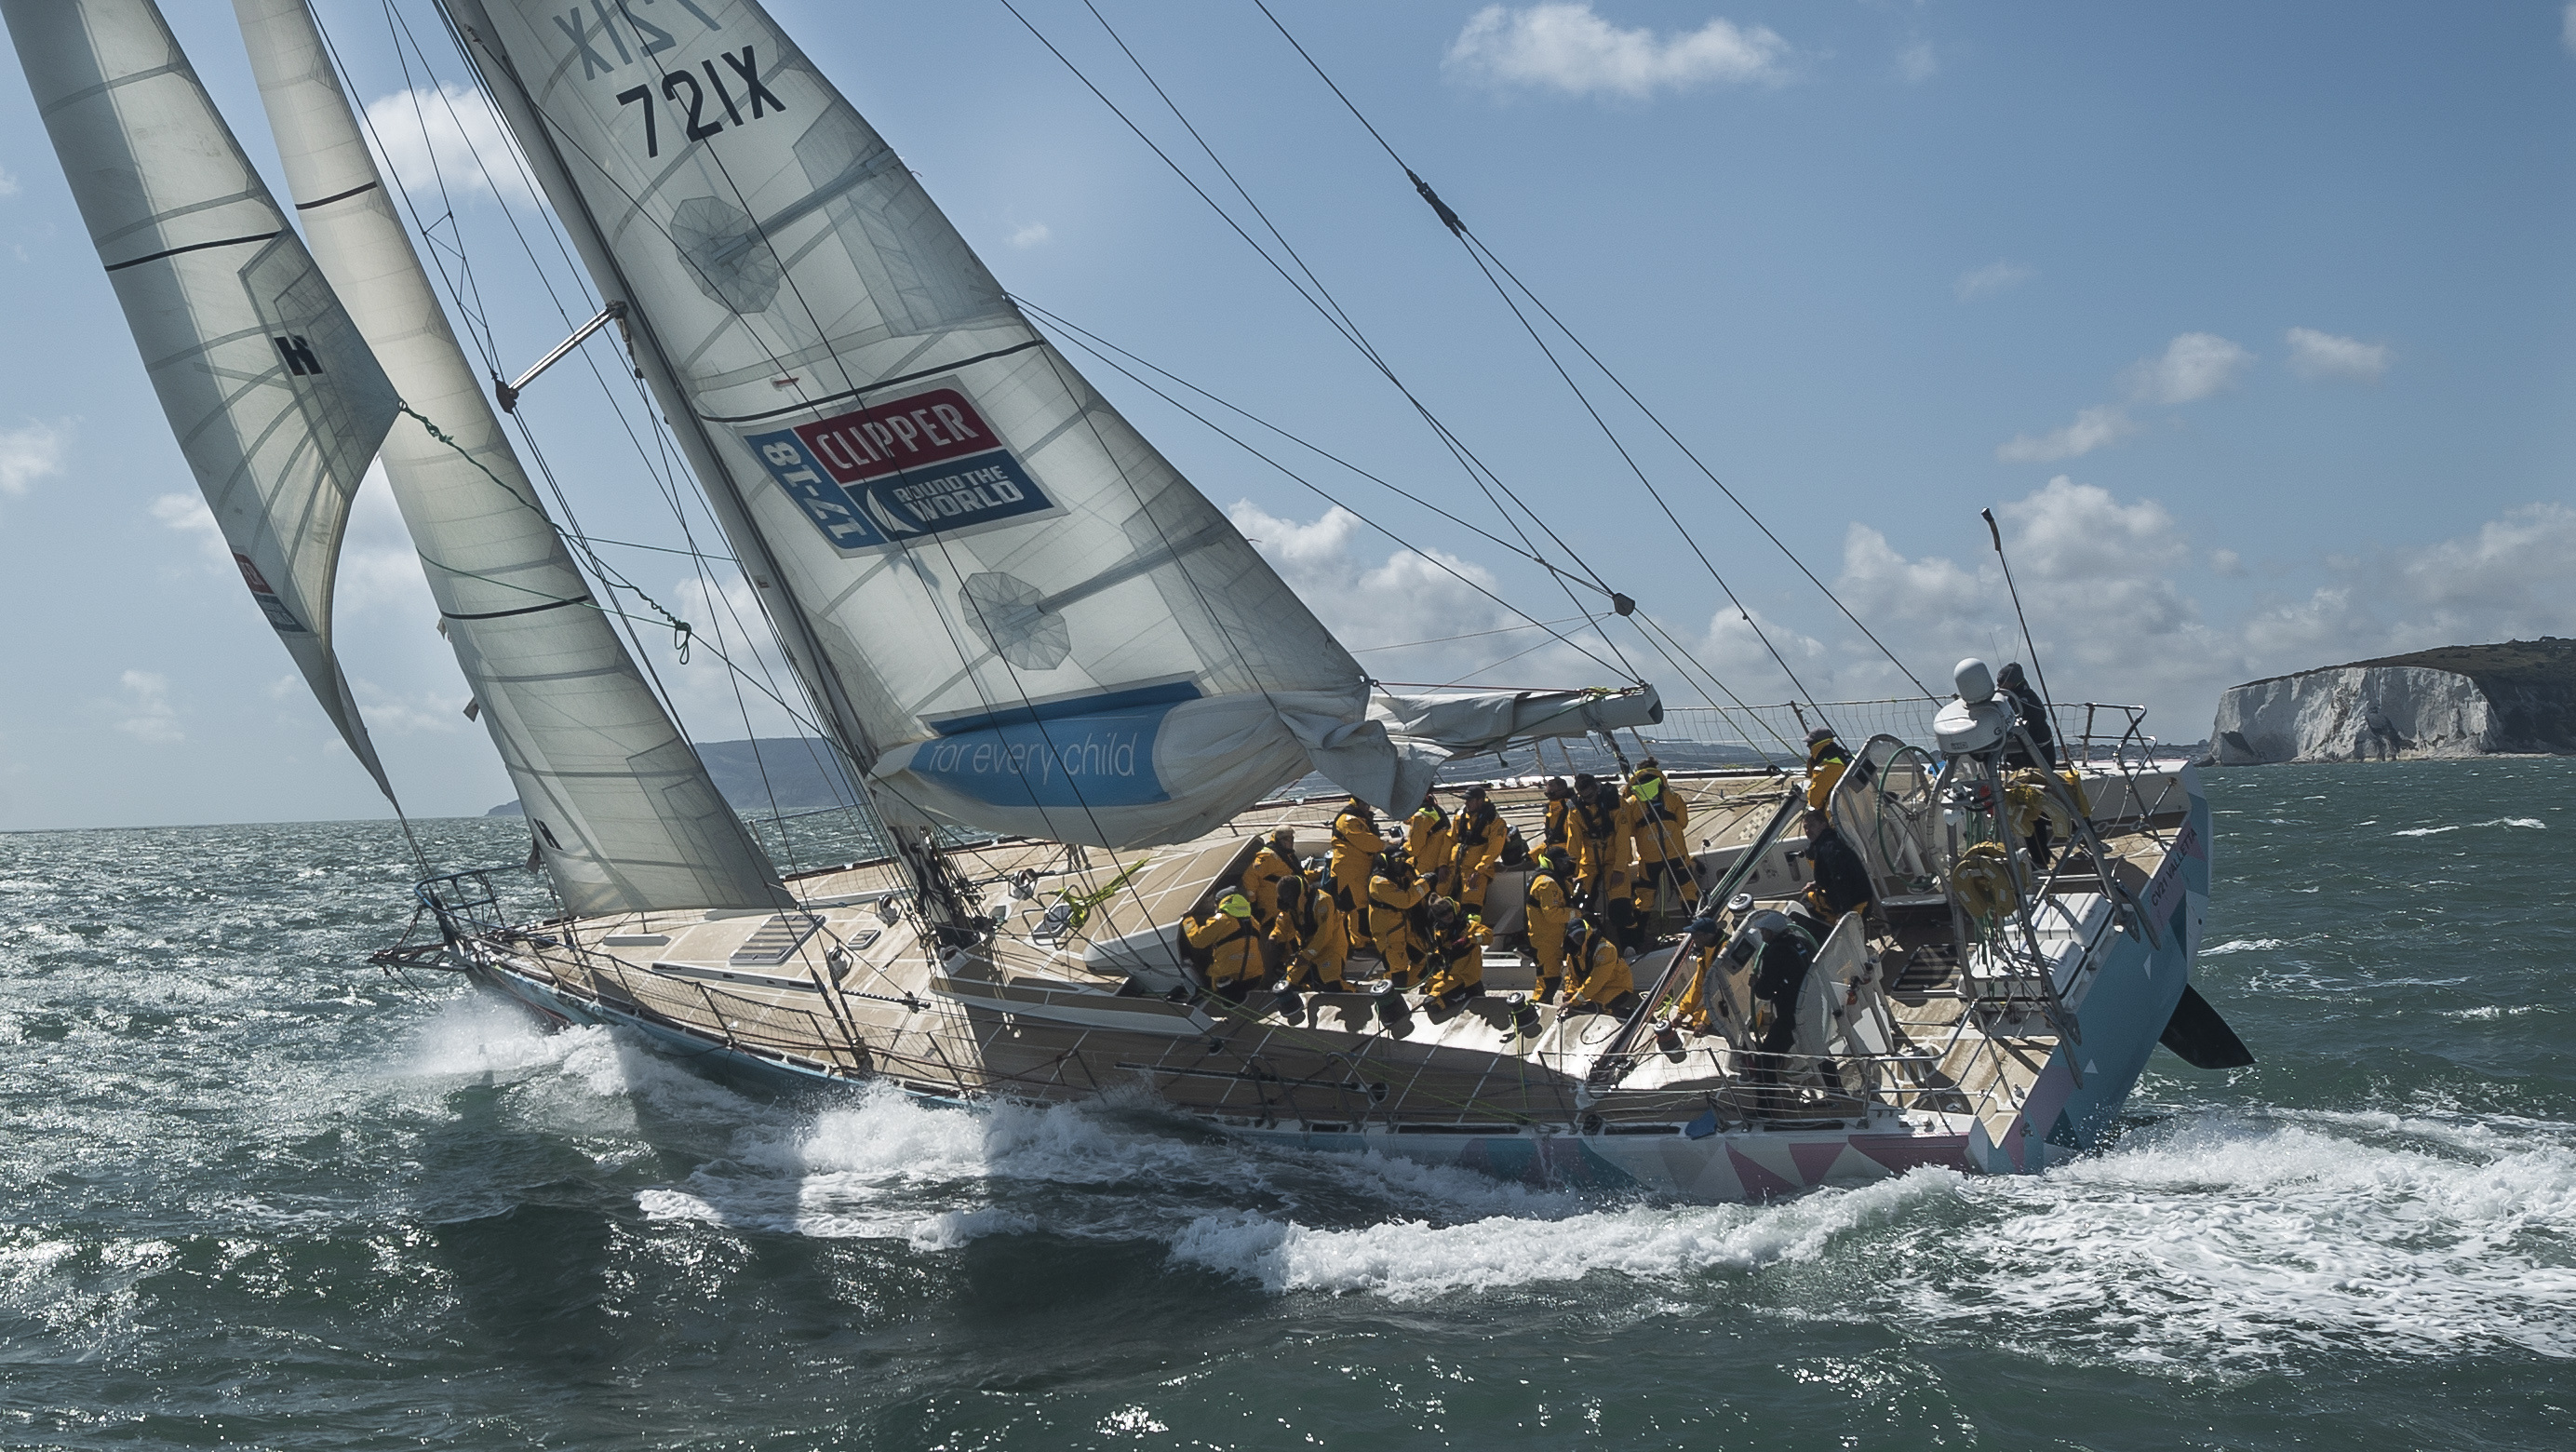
[
  {"x": 274, "y": 398},
  {"x": 619, "y": 804},
  {"x": 1029, "y": 621}
]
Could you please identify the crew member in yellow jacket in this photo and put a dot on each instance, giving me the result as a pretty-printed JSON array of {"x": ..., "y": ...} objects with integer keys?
[
  {"x": 1431, "y": 840},
  {"x": 1480, "y": 845},
  {"x": 1354, "y": 854},
  {"x": 1606, "y": 984},
  {"x": 1393, "y": 893},
  {"x": 1456, "y": 954},
  {"x": 1546, "y": 911},
  {"x": 1309, "y": 939},
  {"x": 1662, "y": 838},
  {"x": 1826, "y": 763},
  {"x": 1556, "y": 826},
  {"x": 1273, "y": 862},
  {"x": 1232, "y": 943}
]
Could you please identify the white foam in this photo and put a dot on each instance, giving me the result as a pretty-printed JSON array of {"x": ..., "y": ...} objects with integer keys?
[
  {"x": 2526, "y": 823},
  {"x": 2245, "y": 945},
  {"x": 2226, "y": 1244},
  {"x": 1411, "y": 1259}
]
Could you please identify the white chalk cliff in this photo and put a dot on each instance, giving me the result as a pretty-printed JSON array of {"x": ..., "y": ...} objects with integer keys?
[{"x": 2353, "y": 713}]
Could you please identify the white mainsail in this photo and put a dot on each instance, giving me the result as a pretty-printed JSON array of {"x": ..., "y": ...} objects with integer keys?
[
  {"x": 276, "y": 401},
  {"x": 618, "y": 802},
  {"x": 1020, "y": 614}
]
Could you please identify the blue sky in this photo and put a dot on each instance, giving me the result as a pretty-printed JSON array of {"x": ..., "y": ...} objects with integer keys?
[{"x": 2252, "y": 322}]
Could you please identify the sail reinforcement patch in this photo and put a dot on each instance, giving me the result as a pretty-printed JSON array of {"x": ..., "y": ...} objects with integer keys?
[{"x": 1011, "y": 615}]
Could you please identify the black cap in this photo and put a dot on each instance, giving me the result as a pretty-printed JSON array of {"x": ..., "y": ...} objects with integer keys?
[{"x": 1821, "y": 733}]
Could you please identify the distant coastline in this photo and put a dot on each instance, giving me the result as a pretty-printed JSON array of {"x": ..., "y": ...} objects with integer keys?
[{"x": 2515, "y": 698}]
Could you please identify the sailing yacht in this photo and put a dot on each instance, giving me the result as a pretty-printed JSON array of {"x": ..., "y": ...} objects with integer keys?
[{"x": 1071, "y": 691}]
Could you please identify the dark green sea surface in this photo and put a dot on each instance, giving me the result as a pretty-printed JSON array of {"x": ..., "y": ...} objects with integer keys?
[{"x": 252, "y": 1193}]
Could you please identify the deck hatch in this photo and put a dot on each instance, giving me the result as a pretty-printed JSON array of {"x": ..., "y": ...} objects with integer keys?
[{"x": 775, "y": 941}]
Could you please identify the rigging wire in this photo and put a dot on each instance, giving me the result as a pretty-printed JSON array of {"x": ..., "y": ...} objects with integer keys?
[
  {"x": 1095, "y": 346},
  {"x": 1478, "y": 250},
  {"x": 1486, "y": 480},
  {"x": 1086, "y": 342}
]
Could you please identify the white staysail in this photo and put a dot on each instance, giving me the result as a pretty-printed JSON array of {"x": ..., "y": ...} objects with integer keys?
[
  {"x": 619, "y": 804},
  {"x": 276, "y": 402},
  {"x": 1025, "y": 618}
]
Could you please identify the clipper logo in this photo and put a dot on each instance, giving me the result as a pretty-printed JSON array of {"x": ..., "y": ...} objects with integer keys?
[
  {"x": 269, "y": 605},
  {"x": 907, "y": 468}
]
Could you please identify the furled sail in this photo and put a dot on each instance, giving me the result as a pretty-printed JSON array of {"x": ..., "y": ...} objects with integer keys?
[
  {"x": 620, "y": 806},
  {"x": 1026, "y": 619},
  {"x": 274, "y": 397}
]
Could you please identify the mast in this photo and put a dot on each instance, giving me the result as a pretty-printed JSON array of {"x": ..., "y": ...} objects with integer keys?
[
  {"x": 914, "y": 833},
  {"x": 618, "y": 803}
]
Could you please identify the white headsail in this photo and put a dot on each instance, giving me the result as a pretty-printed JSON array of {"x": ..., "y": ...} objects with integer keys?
[
  {"x": 619, "y": 804},
  {"x": 1026, "y": 619},
  {"x": 274, "y": 397}
]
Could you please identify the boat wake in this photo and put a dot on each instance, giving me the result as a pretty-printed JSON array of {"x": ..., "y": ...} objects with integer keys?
[{"x": 2209, "y": 1242}]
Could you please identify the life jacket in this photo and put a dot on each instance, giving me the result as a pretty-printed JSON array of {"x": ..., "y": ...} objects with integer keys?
[
  {"x": 1601, "y": 814},
  {"x": 1475, "y": 824}
]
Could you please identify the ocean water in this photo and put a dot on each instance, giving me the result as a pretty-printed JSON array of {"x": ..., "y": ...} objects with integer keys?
[{"x": 255, "y": 1193}]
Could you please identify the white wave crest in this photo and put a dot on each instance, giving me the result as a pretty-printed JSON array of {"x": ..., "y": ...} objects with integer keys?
[
  {"x": 2245, "y": 945},
  {"x": 1411, "y": 1259},
  {"x": 2526, "y": 823}
]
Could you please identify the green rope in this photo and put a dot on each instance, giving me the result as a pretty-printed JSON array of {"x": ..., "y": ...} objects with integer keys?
[{"x": 682, "y": 632}]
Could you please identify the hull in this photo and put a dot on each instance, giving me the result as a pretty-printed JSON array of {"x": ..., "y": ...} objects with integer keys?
[
  {"x": 1664, "y": 1160},
  {"x": 1583, "y": 1107}
]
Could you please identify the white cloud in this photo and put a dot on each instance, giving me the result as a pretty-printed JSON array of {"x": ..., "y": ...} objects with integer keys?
[
  {"x": 2094, "y": 427},
  {"x": 1033, "y": 235},
  {"x": 1420, "y": 601},
  {"x": 447, "y": 134},
  {"x": 2192, "y": 367},
  {"x": 390, "y": 714},
  {"x": 379, "y": 565},
  {"x": 31, "y": 453},
  {"x": 2327, "y": 355},
  {"x": 1560, "y": 45},
  {"x": 149, "y": 716},
  {"x": 8, "y": 183},
  {"x": 188, "y": 514},
  {"x": 2567, "y": 28},
  {"x": 1992, "y": 278},
  {"x": 1918, "y": 62}
]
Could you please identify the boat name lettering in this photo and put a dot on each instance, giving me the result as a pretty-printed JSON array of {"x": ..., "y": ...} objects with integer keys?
[{"x": 910, "y": 467}]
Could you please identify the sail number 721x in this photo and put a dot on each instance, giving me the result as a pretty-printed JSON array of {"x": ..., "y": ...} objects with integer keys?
[{"x": 758, "y": 98}]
